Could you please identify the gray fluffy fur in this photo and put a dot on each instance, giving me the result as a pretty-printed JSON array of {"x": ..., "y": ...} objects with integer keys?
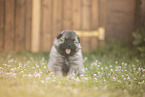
[{"x": 57, "y": 60}]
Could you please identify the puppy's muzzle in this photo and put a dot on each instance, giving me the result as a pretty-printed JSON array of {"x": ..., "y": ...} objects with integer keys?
[
  {"x": 69, "y": 44},
  {"x": 67, "y": 48}
]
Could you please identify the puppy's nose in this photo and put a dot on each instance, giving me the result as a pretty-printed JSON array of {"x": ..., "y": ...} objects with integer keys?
[{"x": 69, "y": 45}]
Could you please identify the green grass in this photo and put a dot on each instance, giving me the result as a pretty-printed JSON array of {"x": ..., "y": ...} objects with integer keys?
[{"x": 113, "y": 71}]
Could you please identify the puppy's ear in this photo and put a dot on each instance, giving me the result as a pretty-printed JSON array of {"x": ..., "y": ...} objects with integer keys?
[
  {"x": 59, "y": 36},
  {"x": 78, "y": 39}
]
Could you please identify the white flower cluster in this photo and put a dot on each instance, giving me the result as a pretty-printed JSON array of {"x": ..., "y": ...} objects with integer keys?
[{"x": 96, "y": 72}]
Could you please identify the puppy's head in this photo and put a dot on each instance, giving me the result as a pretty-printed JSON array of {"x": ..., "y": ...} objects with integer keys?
[{"x": 67, "y": 43}]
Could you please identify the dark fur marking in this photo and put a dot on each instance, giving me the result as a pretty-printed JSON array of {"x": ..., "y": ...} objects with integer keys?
[
  {"x": 78, "y": 39},
  {"x": 59, "y": 36}
]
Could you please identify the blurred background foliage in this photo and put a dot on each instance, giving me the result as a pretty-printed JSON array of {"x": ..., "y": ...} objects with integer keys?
[{"x": 139, "y": 40}]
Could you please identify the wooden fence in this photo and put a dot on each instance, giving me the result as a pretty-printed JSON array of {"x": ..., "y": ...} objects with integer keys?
[
  {"x": 58, "y": 15},
  {"x": 15, "y": 25},
  {"x": 33, "y": 24}
]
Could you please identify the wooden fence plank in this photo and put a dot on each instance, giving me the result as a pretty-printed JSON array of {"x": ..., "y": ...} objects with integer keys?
[
  {"x": 9, "y": 25},
  {"x": 94, "y": 23},
  {"x": 36, "y": 16},
  {"x": 57, "y": 18},
  {"x": 76, "y": 16},
  {"x": 142, "y": 12},
  {"x": 67, "y": 15},
  {"x": 2, "y": 25},
  {"x": 102, "y": 13},
  {"x": 54, "y": 19},
  {"x": 46, "y": 23},
  {"x": 86, "y": 18},
  {"x": 28, "y": 21},
  {"x": 19, "y": 25},
  {"x": 59, "y": 26}
]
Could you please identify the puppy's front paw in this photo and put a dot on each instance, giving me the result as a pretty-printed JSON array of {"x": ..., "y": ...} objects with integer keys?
[{"x": 71, "y": 76}]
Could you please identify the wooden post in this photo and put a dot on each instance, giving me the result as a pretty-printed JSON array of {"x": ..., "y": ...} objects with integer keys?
[
  {"x": 36, "y": 15},
  {"x": 102, "y": 18}
]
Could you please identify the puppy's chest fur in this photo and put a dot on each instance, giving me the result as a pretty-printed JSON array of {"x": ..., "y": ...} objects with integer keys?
[
  {"x": 65, "y": 66},
  {"x": 66, "y": 63}
]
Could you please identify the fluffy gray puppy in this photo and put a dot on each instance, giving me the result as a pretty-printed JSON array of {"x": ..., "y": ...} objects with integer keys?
[{"x": 66, "y": 56}]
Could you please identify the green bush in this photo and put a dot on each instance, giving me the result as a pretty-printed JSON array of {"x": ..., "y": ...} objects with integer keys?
[{"x": 139, "y": 40}]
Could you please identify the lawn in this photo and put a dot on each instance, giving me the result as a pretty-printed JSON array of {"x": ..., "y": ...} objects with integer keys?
[{"x": 113, "y": 71}]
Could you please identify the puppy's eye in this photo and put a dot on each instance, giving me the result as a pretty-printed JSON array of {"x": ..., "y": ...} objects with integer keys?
[
  {"x": 75, "y": 41},
  {"x": 62, "y": 40}
]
